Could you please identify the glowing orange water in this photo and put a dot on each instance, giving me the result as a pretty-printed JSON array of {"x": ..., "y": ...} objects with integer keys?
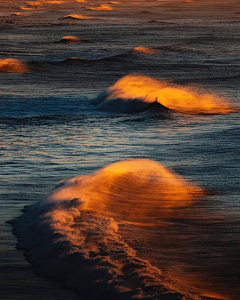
[
  {"x": 145, "y": 50},
  {"x": 12, "y": 65},
  {"x": 183, "y": 99},
  {"x": 130, "y": 190}
]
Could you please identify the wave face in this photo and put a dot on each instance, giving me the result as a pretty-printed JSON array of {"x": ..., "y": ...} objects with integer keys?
[
  {"x": 73, "y": 234},
  {"x": 137, "y": 92}
]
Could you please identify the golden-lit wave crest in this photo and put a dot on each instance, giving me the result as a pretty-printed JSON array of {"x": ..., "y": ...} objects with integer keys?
[
  {"x": 138, "y": 190},
  {"x": 34, "y": 3},
  {"x": 78, "y": 16},
  {"x": 20, "y": 14},
  {"x": 43, "y": 2},
  {"x": 101, "y": 7},
  {"x": 54, "y": 2},
  {"x": 116, "y": 2},
  {"x": 70, "y": 39},
  {"x": 182, "y": 99},
  {"x": 12, "y": 65},
  {"x": 145, "y": 50}
]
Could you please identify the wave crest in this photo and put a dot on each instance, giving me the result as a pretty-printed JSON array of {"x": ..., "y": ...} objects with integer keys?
[
  {"x": 70, "y": 39},
  {"x": 137, "y": 92},
  {"x": 145, "y": 50},
  {"x": 12, "y": 65},
  {"x": 78, "y": 16},
  {"x": 141, "y": 183},
  {"x": 100, "y": 7}
]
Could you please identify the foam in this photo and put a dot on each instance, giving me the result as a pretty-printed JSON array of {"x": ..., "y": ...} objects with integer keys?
[{"x": 137, "y": 92}]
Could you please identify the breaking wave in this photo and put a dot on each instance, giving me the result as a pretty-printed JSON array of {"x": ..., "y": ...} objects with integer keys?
[
  {"x": 73, "y": 234},
  {"x": 137, "y": 92}
]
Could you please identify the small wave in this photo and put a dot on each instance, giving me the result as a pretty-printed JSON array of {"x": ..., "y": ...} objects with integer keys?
[
  {"x": 145, "y": 50},
  {"x": 70, "y": 39},
  {"x": 34, "y": 3},
  {"x": 77, "y": 60},
  {"x": 43, "y": 2},
  {"x": 73, "y": 233},
  {"x": 78, "y": 16},
  {"x": 20, "y": 14},
  {"x": 137, "y": 92},
  {"x": 54, "y": 2},
  {"x": 26, "y": 8},
  {"x": 100, "y": 7},
  {"x": 12, "y": 65},
  {"x": 116, "y": 2}
]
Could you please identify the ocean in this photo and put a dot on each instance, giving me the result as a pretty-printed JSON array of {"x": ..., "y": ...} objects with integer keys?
[{"x": 120, "y": 142}]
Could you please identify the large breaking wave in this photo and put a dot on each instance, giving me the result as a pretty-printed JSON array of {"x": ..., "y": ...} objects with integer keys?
[{"x": 73, "y": 234}]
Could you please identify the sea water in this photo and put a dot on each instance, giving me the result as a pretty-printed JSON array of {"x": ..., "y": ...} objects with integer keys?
[{"x": 119, "y": 150}]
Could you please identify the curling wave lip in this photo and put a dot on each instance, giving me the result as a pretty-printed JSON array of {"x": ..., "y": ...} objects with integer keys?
[{"x": 137, "y": 92}]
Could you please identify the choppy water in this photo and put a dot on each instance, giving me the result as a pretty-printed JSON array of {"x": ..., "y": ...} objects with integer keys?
[{"x": 134, "y": 108}]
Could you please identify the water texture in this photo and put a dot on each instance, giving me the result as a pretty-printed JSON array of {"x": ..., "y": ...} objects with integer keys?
[{"x": 119, "y": 150}]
